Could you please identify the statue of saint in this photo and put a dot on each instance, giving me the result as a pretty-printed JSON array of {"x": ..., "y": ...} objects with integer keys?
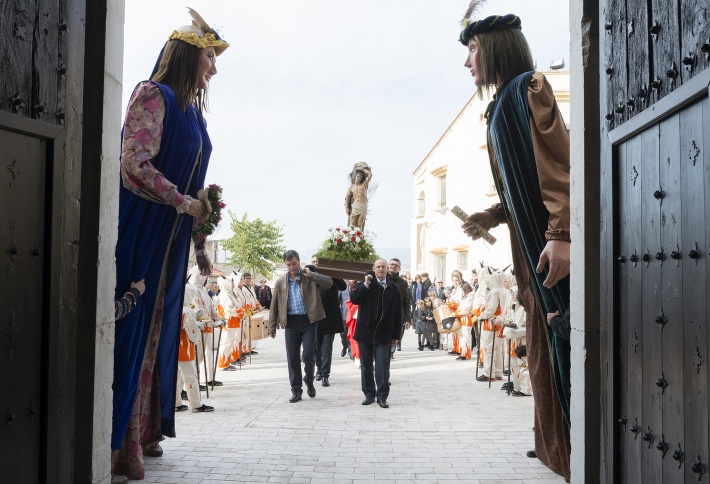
[{"x": 356, "y": 198}]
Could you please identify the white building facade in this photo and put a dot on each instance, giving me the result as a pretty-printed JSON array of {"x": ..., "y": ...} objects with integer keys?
[{"x": 457, "y": 172}]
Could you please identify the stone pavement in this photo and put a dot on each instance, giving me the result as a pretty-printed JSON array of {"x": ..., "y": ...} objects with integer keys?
[{"x": 442, "y": 426}]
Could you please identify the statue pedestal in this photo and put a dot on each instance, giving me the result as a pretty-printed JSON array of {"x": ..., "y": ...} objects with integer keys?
[{"x": 344, "y": 269}]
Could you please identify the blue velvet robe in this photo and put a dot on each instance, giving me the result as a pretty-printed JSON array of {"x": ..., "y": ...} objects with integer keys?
[{"x": 154, "y": 243}]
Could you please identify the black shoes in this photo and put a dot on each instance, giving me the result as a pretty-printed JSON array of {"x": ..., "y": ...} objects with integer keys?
[
  {"x": 181, "y": 408},
  {"x": 203, "y": 388},
  {"x": 453, "y": 353},
  {"x": 421, "y": 348},
  {"x": 344, "y": 352},
  {"x": 507, "y": 385},
  {"x": 203, "y": 408},
  {"x": 253, "y": 353},
  {"x": 295, "y": 397},
  {"x": 311, "y": 390},
  {"x": 506, "y": 372},
  {"x": 462, "y": 358},
  {"x": 368, "y": 401},
  {"x": 432, "y": 347},
  {"x": 326, "y": 383},
  {"x": 516, "y": 393},
  {"x": 532, "y": 454},
  {"x": 230, "y": 368},
  {"x": 383, "y": 404},
  {"x": 183, "y": 395},
  {"x": 318, "y": 375},
  {"x": 155, "y": 451},
  {"x": 484, "y": 378},
  {"x": 215, "y": 383}
]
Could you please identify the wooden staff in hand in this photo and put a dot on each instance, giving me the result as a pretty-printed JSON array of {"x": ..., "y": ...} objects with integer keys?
[{"x": 204, "y": 361}]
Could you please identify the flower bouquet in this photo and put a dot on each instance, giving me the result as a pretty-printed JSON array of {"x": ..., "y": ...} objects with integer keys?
[
  {"x": 346, "y": 253},
  {"x": 206, "y": 226}
]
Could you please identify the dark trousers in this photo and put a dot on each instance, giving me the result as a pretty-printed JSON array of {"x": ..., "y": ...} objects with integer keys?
[
  {"x": 299, "y": 331},
  {"x": 380, "y": 355},
  {"x": 324, "y": 353}
]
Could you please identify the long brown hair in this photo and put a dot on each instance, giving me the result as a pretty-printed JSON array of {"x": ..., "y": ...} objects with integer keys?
[
  {"x": 178, "y": 69},
  {"x": 504, "y": 55}
]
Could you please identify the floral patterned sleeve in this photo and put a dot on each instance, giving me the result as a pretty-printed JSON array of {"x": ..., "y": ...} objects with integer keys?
[{"x": 142, "y": 131}]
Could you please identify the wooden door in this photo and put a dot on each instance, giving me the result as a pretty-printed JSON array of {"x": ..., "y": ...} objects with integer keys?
[{"x": 656, "y": 221}]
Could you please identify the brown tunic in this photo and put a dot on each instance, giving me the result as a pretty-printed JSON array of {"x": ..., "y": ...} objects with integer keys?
[{"x": 551, "y": 147}]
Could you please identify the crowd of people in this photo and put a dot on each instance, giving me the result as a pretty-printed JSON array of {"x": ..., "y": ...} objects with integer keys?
[{"x": 164, "y": 160}]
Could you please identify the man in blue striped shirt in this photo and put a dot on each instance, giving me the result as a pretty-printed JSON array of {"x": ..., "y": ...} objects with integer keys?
[{"x": 296, "y": 306}]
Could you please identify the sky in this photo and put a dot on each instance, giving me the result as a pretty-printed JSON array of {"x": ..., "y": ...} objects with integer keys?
[{"x": 310, "y": 87}]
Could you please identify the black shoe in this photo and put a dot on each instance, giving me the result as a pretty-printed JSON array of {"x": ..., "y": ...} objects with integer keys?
[
  {"x": 311, "y": 390},
  {"x": 516, "y": 393},
  {"x": 203, "y": 408},
  {"x": 431, "y": 347},
  {"x": 155, "y": 451},
  {"x": 421, "y": 348},
  {"x": 344, "y": 352},
  {"x": 399, "y": 346},
  {"x": 318, "y": 375},
  {"x": 253, "y": 353},
  {"x": 506, "y": 372},
  {"x": 230, "y": 368},
  {"x": 183, "y": 395},
  {"x": 181, "y": 408},
  {"x": 237, "y": 362},
  {"x": 326, "y": 383},
  {"x": 453, "y": 353},
  {"x": 368, "y": 401},
  {"x": 532, "y": 454},
  {"x": 295, "y": 397},
  {"x": 203, "y": 388},
  {"x": 352, "y": 358},
  {"x": 383, "y": 404},
  {"x": 215, "y": 383}
]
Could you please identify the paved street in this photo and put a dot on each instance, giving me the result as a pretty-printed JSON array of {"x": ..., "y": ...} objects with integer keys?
[{"x": 442, "y": 426}]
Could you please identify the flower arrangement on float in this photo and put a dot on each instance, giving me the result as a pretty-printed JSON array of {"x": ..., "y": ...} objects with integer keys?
[{"x": 348, "y": 244}]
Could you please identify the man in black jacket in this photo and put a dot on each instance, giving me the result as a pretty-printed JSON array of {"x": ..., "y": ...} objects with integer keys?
[
  {"x": 328, "y": 327},
  {"x": 263, "y": 294},
  {"x": 378, "y": 327},
  {"x": 393, "y": 275}
]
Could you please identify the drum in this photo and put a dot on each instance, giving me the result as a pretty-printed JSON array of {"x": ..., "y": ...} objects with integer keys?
[
  {"x": 257, "y": 327},
  {"x": 446, "y": 320},
  {"x": 442, "y": 312}
]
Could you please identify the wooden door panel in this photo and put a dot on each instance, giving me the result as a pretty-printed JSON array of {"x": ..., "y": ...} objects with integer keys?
[
  {"x": 695, "y": 313},
  {"x": 625, "y": 351},
  {"x": 648, "y": 162},
  {"x": 671, "y": 298},
  {"x": 22, "y": 282}
]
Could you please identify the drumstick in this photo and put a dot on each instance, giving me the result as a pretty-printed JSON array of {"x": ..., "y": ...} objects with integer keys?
[{"x": 463, "y": 216}]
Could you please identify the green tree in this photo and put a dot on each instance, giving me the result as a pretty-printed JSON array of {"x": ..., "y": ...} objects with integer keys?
[{"x": 255, "y": 244}]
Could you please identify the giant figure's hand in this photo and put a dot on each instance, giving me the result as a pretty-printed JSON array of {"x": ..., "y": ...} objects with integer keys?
[
  {"x": 556, "y": 252},
  {"x": 197, "y": 209},
  {"x": 486, "y": 220}
]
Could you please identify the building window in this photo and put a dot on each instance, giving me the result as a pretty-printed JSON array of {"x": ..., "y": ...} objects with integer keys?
[
  {"x": 441, "y": 188},
  {"x": 441, "y": 267},
  {"x": 462, "y": 260},
  {"x": 420, "y": 204}
]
